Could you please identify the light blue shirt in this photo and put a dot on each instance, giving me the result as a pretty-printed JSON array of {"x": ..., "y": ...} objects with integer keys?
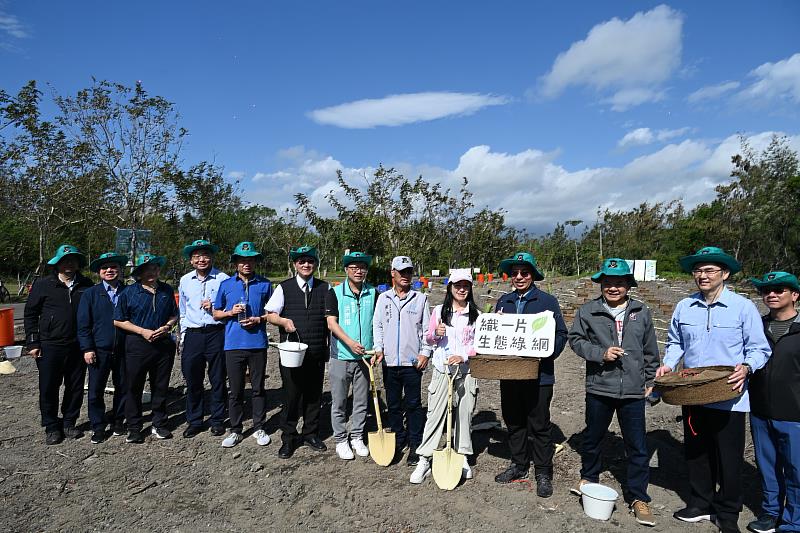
[
  {"x": 192, "y": 293},
  {"x": 113, "y": 292},
  {"x": 727, "y": 332}
]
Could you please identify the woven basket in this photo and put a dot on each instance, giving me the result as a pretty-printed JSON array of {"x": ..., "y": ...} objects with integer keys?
[
  {"x": 696, "y": 386},
  {"x": 503, "y": 367}
]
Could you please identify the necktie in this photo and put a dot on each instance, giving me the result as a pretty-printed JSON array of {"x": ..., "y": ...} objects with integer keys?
[{"x": 307, "y": 290}]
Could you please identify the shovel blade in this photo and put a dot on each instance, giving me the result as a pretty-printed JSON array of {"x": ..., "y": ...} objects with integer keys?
[
  {"x": 447, "y": 468},
  {"x": 381, "y": 446}
]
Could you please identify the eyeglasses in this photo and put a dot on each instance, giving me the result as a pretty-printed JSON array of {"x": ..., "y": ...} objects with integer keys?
[
  {"x": 521, "y": 273},
  {"x": 201, "y": 255},
  {"x": 710, "y": 272},
  {"x": 769, "y": 290},
  {"x": 356, "y": 268}
]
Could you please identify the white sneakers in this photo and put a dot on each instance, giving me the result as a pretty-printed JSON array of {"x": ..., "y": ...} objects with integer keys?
[
  {"x": 359, "y": 447},
  {"x": 422, "y": 470},
  {"x": 343, "y": 451},
  {"x": 232, "y": 440},
  {"x": 261, "y": 437}
]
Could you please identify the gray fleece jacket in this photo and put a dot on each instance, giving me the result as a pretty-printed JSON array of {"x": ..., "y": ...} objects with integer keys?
[{"x": 593, "y": 331}]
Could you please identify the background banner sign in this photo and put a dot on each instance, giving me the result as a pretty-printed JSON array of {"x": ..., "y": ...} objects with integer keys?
[{"x": 522, "y": 335}]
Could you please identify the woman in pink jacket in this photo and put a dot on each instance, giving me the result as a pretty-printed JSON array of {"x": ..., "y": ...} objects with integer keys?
[{"x": 451, "y": 332}]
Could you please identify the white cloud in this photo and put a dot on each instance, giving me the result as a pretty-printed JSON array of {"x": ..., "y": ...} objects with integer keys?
[
  {"x": 643, "y": 136},
  {"x": 775, "y": 81},
  {"x": 12, "y": 26},
  {"x": 400, "y": 109},
  {"x": 712, "y": 92},
  {"x": 628, "y": 59},
  {"x": 533, "y": 188},
  {"x": 236, "y": 175}
]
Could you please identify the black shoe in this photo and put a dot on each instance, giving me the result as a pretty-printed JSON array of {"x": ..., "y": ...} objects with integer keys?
[
  {"x": 161, "y": 433},
  {"x": 71, "y": 432},
  {"x": 765, "y": 523},
  {"x": 53, "y": 437},
  {"x": 218, "y": 431},
  {"x": 315, "y": 443},
  {"x": 192, "y": 431},
  {"x": 728, "y": 526},
  {"x": 135, "y": 437},
  {"x": 544, "y": 485},
  {"x": 692, "y": 514},
  {"x": 512, "y": 473},
  {"x": 413, "y": 456},
  {"x": 118, "y": 429},
  {"x": 287, "y": 450},
  {"x": 98, "y": 436}
]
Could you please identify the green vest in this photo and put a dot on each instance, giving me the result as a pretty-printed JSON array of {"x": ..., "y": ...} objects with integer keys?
[{"x": 355, "y": 318}]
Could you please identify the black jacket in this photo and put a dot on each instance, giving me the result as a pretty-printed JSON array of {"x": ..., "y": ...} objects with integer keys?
[
  {"x": 96, "y": 329},
  {"x": 51, "y": 311},
  {"x": 538, "y": 301},
  {"x": 593, "y": 332},
  {"x": 775, "y": 389}
]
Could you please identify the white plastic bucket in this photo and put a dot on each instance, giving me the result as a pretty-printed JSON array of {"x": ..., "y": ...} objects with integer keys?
[
  {"x": 598, "y": 500},
  {"x": 13, "y": 352},
  {"x": 292, "y": 353}
]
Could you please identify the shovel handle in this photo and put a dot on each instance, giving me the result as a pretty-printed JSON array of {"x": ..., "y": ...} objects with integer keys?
[{"x": 375, "y": 397}]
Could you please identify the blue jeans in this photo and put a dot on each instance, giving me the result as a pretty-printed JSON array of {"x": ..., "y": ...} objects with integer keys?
[
  {"x": 777, "y": 447},
  {"x": 113, "y": 364},
  {"x": 630, "y": 416},
  {"x": 404, "y": 399}
]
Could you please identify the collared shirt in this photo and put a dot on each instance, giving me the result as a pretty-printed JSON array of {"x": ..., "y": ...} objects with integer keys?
[
  {"x": 146, "y": 309},
  {"x": 457, "y": 340},
  {"x": 113, "y": 292},
  {"x": 727, "y": 332},
  {"x": 521, "y": 300},
  {"x": 192, "y": 292},
  {"x": 275, "y": 304},
  {"x": 256, "y": 293}
]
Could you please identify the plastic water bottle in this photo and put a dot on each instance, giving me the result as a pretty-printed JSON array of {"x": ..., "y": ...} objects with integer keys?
[{"x": 243, "y": 314}]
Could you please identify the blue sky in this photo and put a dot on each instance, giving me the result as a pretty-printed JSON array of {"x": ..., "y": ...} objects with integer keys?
[{"x": 550, "y": 109}]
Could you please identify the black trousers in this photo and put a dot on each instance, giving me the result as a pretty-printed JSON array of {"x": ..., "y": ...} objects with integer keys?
[
  {"x": 302, "y": 387},
  {"x": 526, "y": 412},
  {"x": 60, "y": 364},
  {"x": 204, "y": 347},
  {"x": 143, "y": 358},
  {"x": 713, "y": 443},
  {"x": 108, "y": 364},
  {"x": 237, "y": 363}
]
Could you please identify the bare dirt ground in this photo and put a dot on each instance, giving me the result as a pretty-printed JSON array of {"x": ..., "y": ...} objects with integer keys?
[{"x": 195, "y": 485}]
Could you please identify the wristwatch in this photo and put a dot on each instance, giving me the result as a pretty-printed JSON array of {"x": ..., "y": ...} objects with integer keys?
[{"x": 749, "y": 368}]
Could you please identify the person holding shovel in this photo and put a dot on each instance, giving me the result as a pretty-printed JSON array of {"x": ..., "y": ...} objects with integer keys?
[
  {"x": 775, "y": 407},
  {"x": 525, "y": 404},
  {"x": 147, "y": 312},
  {"x": 240, "y": 305},
  {"x": 203, "y": 338},
  {"x": 615, "y": 335},
  {"x": 300, "y": 307},
  {"x": 715, "y": 326},
  {"x": 351, "y": 337},
  {"x": 51, "y": 337},
  {"x": 451, "y": 331},
  {"x": 103, "y": 345}
]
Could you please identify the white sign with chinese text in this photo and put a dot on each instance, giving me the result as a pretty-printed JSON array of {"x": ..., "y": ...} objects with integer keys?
[{"x": 511, "y": 334}]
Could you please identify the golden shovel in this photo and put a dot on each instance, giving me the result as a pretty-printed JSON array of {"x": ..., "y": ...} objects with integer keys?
[
  {"x": 448, "y": 465},
  {"x": 381, "y": 443}
]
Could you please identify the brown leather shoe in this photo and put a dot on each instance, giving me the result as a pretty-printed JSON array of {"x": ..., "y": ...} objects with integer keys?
[{"x": 641, "y": 510}]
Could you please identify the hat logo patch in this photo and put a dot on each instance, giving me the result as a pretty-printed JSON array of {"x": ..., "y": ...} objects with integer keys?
[
  {"x": 771, "y": 277},
  {"x": 612, "y": 263},
  {"x": 519, "y": 257},
  {"x": 66, "y": 249},
  {"x": 703, "y": 252},
  {"x": 245, "y": 246}
]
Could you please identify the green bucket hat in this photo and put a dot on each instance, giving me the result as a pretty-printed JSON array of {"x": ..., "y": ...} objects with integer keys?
[
  {"x": 199, "y": 244},
  {"x": 777, "y": 279},
  {"x": 309, "y": 251},
  {"x": 63, "y": 251},
  {"x": 108, "y": 257},
  {"x": 246, "y": 249},
  {"x": 521, "y": 258},
  {"x": 148, "y": 259},
  {"x": 356, "y": 257},
  {"x": 614, "y": 266},
  {"x": 710, "y": 254}
]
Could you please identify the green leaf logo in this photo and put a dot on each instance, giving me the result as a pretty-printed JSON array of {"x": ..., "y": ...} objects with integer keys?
[{"x": 538, "y": 324}]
